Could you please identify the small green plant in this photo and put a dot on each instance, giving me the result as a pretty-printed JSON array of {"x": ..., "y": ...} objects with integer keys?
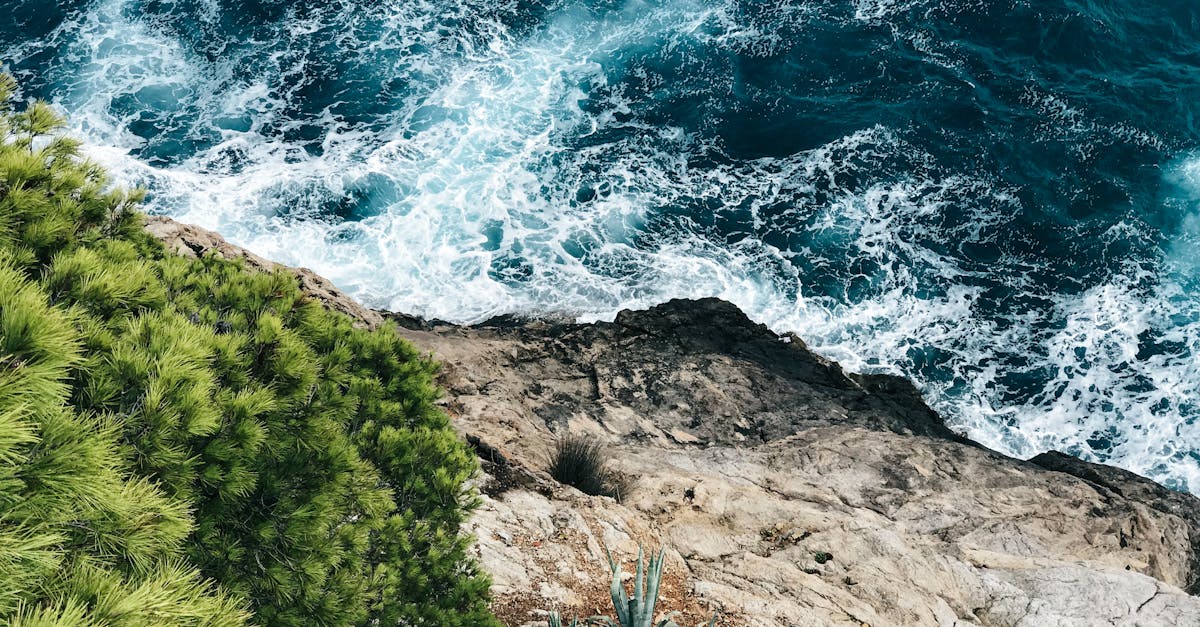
[
  {"x": 582, "y": 462},
  {"x": 636, "y": 610},
  {"x": 821, "y": 557},
  {"x": 556, "y": 620}
]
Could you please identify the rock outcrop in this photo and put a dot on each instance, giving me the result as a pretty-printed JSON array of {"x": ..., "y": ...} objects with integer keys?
[
  {"x": 787, "y": 491},
  {"x": 790, "y": 492}
]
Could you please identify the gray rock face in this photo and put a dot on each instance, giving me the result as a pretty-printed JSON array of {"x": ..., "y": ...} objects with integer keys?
[
  {"x": 1128, "y": 487},
  {"x": 756, "y": 460},
  {"x": 787, "y": 491},
  {"x": 690, "y": 371}
]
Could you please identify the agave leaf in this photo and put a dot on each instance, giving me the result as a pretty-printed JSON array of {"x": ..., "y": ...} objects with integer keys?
[
  {"x": 638, "y": 589},
  {"x": 621, "y": 601},
  {"x": 655, "y": 578}
]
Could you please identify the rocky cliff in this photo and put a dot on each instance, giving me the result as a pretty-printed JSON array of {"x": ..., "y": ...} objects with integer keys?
[{"x": 787, "y": 491}]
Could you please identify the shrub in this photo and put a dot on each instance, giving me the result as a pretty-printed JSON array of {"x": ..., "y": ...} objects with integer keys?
[
  {"x": 189, "y": 442},
  {"x": 582, "y": 462},
  {"x": 82, "y": 540}
]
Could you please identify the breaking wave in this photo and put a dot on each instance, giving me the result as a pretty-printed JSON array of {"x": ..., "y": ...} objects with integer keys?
[{"x": 999, "y": 201}]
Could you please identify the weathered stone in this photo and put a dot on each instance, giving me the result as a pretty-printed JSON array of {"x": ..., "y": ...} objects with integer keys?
[{"x": 753, "y": 456}]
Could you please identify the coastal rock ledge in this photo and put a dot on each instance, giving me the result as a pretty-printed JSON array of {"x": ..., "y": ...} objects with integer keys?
[{"x": 787, "y": 491}]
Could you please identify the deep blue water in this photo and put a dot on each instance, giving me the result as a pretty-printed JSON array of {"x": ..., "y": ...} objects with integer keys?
[{"x": 999, "y": 199}]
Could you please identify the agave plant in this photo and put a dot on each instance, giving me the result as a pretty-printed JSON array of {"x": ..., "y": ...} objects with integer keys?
[
  {"x": 556, "y": 620},
  {"x": 638, "y": 610}
]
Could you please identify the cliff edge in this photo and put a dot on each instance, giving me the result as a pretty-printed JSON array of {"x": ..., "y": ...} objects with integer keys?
[{"x": 787, "y": 491}]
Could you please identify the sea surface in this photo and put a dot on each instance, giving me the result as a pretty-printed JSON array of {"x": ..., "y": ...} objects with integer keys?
[{"x": 999, "y": 199}]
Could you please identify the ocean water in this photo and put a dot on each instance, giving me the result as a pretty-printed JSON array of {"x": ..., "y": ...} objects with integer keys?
[{"x": 999, "y": 199}]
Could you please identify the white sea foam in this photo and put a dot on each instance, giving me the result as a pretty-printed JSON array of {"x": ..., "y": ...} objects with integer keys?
[{"x": 497, "y": 190}]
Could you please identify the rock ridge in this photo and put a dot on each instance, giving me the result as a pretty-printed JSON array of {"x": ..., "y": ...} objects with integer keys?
[{"x": 787, "y": 491}]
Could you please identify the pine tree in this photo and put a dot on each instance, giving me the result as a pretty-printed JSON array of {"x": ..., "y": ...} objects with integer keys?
[
  {"x": 190, "y": 442},
  {"x": 81, "y": 541}
]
